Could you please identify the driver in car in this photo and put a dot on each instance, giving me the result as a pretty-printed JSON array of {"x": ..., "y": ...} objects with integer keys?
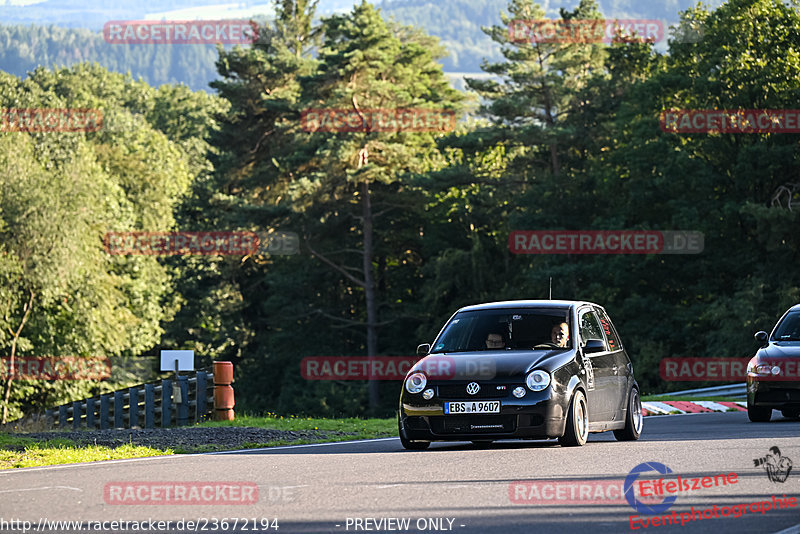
[
  {"x": 495, "y": 340},
  {"x": 560, "y": 334}
]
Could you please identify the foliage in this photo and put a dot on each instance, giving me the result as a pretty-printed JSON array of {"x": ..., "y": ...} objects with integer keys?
[{"x": 399, "y": 229}]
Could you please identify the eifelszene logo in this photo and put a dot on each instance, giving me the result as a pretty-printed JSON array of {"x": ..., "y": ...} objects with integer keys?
[
  {"x": 630, "y": 496},
  {"x": 777, "y": 467}
]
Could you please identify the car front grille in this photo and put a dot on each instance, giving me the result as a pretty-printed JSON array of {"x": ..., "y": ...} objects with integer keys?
[
  {"x": 480, "y": 424},
  {"x": 778, "y": 395},
  {"x": 487, "y": 391}
]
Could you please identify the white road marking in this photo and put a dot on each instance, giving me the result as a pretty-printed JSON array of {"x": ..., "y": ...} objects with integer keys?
[
  {"x": 711, "y": 405},
  {"x": 791, "y": 530},
  {"x": 39, "y": 489},
  {"x": 660, "y": 407}
]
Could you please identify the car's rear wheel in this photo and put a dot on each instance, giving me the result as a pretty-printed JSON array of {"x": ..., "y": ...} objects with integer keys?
[
  {"x": 634, "y": 420},
  {"x": 407, "y": 443},
  {"x": 758, "y": 414},
  {"x": 577, "y": 428},
  {"x": 791, "y": 413}
]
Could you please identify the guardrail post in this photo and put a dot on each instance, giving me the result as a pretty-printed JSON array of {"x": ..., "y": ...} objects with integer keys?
[
  {"x": 104, "y": 412},
  {"x": 90, "y": 407},
  {"x": 62, "y": 416},
  {"x": 133, "y": 407},
  {"x": 200, "y": 396},
  {"x": 183, "y": 406},
  {"x": 119, "y": 409},
  {"x": 149, "y": 406},
  {"x": 76, "y": 415},
  {"x": 223, "y": 391},
  {"x": 166, "y": 403}
]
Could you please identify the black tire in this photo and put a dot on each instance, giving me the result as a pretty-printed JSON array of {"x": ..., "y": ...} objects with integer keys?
[
  {"x": 634, "y": 420},
  {"x": 407, "y": 443},
  {"x": 791, "y": 413},
  {"x": 758, "y": 414},
  {"x": 576, "y": 431}
]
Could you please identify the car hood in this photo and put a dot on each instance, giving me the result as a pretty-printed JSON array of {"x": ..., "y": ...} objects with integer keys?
[
  {"x": 488, "y": 365},
  {"x": 780, "y": 349}
]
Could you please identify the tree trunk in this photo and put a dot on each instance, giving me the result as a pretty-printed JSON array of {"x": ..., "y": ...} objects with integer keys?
[
  {"x": 14, "y": 340},
  {"x": 369, "y": 294}
]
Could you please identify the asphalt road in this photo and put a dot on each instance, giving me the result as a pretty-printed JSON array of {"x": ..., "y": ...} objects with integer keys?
[{"x": 374, "y": 486}]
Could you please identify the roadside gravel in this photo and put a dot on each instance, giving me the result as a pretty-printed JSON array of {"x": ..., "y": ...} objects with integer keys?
[{"x": 185, "y": 438}]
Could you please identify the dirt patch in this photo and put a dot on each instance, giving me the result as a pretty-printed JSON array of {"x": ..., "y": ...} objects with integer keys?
[{"x": 189, "y": 438}]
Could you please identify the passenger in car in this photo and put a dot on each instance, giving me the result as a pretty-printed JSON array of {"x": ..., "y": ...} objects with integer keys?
[{"x": 560, "y": 334}]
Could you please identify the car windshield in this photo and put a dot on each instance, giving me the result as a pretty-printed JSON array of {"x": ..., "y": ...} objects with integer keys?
[
  {"x": 506, "y": 329},
  {"x": 788, "y": 329}
]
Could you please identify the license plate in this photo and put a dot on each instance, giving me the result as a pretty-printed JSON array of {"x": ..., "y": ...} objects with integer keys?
[{"x": 451, "y": 408}]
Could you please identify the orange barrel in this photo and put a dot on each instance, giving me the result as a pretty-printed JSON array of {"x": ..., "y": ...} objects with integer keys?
[{"x": 223, "y": 391}]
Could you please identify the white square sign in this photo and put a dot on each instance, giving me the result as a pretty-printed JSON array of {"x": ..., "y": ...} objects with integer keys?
[{"x": 185, "y": 360}]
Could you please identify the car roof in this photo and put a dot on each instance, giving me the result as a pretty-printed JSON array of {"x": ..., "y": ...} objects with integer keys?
[
  {"x": 796, "y": 307},
  {"x": 527, "y": 304}
]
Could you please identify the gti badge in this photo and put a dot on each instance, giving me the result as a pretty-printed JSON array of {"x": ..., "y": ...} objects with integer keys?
[{"x": 473, "y": 388}]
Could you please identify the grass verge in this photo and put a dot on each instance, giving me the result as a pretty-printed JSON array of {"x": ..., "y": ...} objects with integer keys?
[{"x": 17, "y": 452}]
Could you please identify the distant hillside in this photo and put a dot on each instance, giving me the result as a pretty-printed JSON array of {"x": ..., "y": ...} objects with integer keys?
[
  {"x": 67, "y": 31},
  {"x": 23, "y": 48}
]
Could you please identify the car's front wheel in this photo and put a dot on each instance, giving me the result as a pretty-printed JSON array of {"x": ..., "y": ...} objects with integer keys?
[
  {"x": 634, "y": 420},
  {"x": 758, "y": 414},
  {"x": 577, "y": 428},
  {"x": 407, "y": 443}
]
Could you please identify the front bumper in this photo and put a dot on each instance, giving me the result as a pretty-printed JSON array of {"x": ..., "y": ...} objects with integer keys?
[
  {"x": 538, "y": 415},
  {"x": 773, "y": 393}
]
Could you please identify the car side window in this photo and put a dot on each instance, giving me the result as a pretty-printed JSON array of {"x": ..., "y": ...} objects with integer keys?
[
  {"x": 611, "y": 333},
  {"x": 590, "y": 328}
]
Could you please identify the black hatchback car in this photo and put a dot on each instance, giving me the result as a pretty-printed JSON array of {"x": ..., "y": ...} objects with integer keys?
[
  {"x": 773, "y": 375},
  {"x": 527, "y": 369}
]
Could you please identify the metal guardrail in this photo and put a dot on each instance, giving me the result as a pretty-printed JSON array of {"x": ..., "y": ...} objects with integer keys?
[
  {"x": 735, "y": 390},
  {"x": 171, "y": 402}
]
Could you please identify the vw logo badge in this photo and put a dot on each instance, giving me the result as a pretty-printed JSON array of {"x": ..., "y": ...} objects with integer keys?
[{"x": 473, "y": 388}]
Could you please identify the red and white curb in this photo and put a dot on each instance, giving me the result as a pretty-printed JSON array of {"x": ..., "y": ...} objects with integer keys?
[{"x": 681, "y": 407}]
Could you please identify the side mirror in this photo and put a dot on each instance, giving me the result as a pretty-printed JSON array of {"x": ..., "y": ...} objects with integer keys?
[
  {"x": 594, "y": 345},
  {"x": 424, "y": 349},
  {"x": 762, "y": 337}
]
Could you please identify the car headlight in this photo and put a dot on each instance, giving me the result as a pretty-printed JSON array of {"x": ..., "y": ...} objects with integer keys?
[
  {"x": 766, "y": 369},
  {"x": 416, "y": 382},
  {"x": 538, "y": 380}
]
